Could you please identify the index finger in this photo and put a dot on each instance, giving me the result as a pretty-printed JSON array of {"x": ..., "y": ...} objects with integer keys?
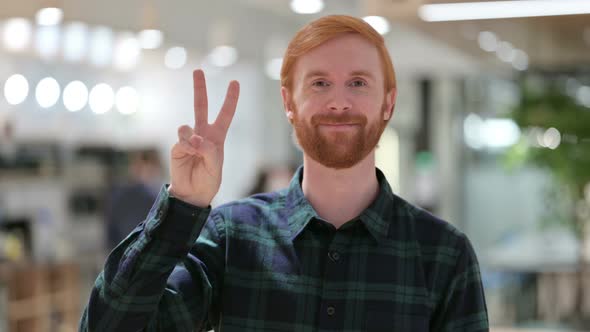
[
  {"x": 200, "y": 99},
  {"x": 229, "y": 106}
]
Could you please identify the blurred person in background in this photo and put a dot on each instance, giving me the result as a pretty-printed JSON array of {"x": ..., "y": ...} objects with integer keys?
[
  {"x": 335, "y": 251},
  {"x": 271, "y": 178},
  {"x": 7, "y": 143},
  {"x": 129, "y": 203}
]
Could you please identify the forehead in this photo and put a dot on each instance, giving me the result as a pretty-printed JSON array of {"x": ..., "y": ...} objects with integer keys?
[{"x": 340, "y": 56}]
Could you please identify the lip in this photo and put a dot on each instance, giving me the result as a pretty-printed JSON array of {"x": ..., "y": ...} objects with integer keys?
[
  {"x": 338, "y": 127},
  {"x": 339, "y": 124}
]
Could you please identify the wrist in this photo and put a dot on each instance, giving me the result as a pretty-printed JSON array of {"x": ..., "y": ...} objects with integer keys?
[{"x": 196, "y": 201}]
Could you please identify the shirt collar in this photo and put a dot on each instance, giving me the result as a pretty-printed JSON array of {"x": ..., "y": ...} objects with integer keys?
[
  {"x": 299, "y": 210},
  {"x": 376, "y": 218}
]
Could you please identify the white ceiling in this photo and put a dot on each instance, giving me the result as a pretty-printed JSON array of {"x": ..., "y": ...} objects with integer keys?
[
  {"x": 187, "y": 22},
  {"x": 550, "y": 42}
]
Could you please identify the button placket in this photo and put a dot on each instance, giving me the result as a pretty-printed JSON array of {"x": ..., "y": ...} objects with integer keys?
[{"x": 334, "y": 269}]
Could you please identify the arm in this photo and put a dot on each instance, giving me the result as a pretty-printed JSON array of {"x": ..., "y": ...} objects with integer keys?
[
  {"x": 462, "y": 306},
  {"x": 162, "y": 277},
  {"x": 159, "y": 278}
]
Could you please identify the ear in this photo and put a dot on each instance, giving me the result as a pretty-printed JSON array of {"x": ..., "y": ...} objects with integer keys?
[
  {"x": 390, "y": 100},
  {"x": 286, "y": 103}
]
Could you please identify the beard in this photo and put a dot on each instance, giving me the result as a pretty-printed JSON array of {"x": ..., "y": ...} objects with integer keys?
[{"x": 338, "y": 149}]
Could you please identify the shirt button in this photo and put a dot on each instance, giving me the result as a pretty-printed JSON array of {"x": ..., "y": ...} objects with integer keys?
[
  {"x": 331, "y": 311},
  {"x": 334, "y": 255}
]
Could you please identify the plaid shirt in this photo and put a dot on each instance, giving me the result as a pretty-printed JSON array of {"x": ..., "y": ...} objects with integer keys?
[{"x": 270, "y": 263}]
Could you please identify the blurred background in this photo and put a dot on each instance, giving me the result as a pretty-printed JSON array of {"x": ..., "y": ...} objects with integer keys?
[{"x": 491, "y": 132}]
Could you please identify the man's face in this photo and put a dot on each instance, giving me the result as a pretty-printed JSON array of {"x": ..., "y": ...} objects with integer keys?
[{"x": 338, "y": 106}]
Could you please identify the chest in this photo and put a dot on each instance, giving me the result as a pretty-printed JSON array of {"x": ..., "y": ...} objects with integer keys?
[{"x": 323, "y": 282}]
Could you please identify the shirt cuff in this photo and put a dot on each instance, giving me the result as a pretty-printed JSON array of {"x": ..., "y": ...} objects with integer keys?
[{"x": 175, "y": 221}]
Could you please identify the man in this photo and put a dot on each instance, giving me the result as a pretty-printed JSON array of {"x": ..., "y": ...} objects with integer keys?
[
  {"x": 130, "y": 201},
  {"x": 335, "y": 251}
]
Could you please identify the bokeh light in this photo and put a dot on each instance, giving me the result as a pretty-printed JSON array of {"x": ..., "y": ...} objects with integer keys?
[
  {"x": 75, "y": 96},
  {"x": 47, "y": 92},
  {"x": 16, "y": 89},
  {"x": 102, "y": 98}
]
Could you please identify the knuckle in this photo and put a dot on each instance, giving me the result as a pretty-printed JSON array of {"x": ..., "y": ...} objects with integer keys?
[{"x": 183, "y": 131}]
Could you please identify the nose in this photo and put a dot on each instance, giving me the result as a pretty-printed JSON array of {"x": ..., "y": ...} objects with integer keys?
[{"x": 339, "y": 101}]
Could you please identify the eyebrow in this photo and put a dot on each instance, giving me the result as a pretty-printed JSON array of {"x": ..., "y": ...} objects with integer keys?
[
  {"x": 362, "y": 73},
  {"x": 315, "y": 73}
]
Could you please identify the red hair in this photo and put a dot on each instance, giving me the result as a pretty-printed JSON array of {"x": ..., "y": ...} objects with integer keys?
[{"x": 328, "y": 27}]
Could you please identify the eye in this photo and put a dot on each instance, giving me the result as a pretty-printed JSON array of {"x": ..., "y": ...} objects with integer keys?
[
  {"x": 320, "y": 83},
  {"x": 358, "y": 83}
]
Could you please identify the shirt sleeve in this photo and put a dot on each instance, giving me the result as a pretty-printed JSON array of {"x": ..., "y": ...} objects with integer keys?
[
  {"x": 165, "y": 276},
  {"x": 463, "y": 306}
]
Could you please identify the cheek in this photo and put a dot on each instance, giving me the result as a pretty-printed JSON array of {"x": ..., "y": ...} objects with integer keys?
[
  {"x": 370, "y": 106},
  {"x": 302, "y": 106}
]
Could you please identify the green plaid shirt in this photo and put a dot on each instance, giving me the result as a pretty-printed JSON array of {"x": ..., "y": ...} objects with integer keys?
[{"x": 270, "y": 263}]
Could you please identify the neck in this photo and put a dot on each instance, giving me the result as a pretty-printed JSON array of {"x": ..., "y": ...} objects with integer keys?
[{"x": 340, "y": 195}]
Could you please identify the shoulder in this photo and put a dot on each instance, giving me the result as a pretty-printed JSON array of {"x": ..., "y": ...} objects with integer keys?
[
  {"x": 445, "y": 253},
  {"x": 433, "y": 230},
  {"x": 439, "y": 241},
  {"x": 252, "y": 209}
]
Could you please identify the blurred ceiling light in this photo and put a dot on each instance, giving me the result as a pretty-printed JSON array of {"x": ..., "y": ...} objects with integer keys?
[
  {"x": 16, "y": 89},
  {"x": 501, "y": 9},
  {"x": 551, "y": 138},
  {"x": 150, "y": 39},
  {"x": 273, "y": 68},
  {"x": 472, "y": 127},
  {"x": 307, "y": 6},
  {"x": 47, "y": 41},
  {"x": 583, "y": 95},
  {"x": 520, "y": 60},
  {"x": 17, "y": 34},
  {"x": 500, "y": 133},
  {"x": 47, "y": 92},
  {"x": 487, "y": 41},
  {"x": 101, "y": 46},
  {"x": 223, "y": 56},
  {"x": 127, "y": 100},
  {"x": 49, "y": 16},
  {"x": 75, "y": 96},
  {"x": 505, "y": 51},
  {"x": 101, "y": 99},
  {"x": 175, "y": 57},
  {"x": 127, "y": 52},
  {"x": 75, "y": 41},
  {"x": 491, "y": 133},
  {"x": 379, "y": 23}
]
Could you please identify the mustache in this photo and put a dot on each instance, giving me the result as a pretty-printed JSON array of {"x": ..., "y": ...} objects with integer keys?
[{"x": 335, "y": 119}]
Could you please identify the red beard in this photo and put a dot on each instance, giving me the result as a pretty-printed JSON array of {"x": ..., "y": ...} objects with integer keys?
[{"x": 338, "y": 149}]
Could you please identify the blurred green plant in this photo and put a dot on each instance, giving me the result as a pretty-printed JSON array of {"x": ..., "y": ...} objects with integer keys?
[{"x": 545, "y": 106}]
